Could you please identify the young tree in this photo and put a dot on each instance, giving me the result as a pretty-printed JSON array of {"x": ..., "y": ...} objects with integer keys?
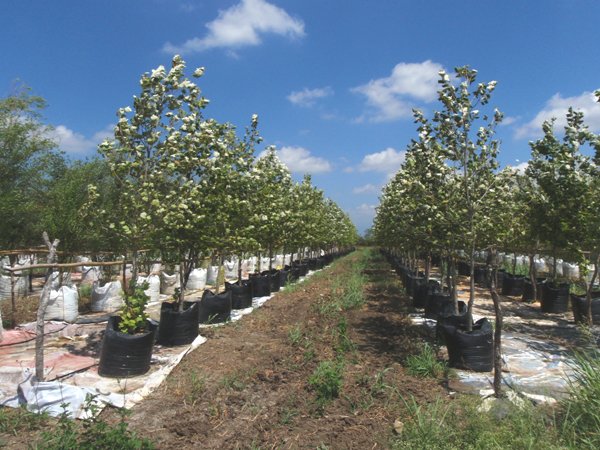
[
  {"x": 272, "y": 185},
  {"x": 466, "y": 136},
  {"x": 158, "y": 158}
]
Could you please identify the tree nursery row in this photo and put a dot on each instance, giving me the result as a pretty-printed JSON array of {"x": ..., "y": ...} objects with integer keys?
[
  {"x": 534, "y": 234},
  {"x": 173, "y": 189}
]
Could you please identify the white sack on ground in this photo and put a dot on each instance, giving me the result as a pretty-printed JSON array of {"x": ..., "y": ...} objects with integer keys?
[
  {"x": 57, "y": 282},
  {"x": 108, "y": 298},
  {"x": 5, "y": 287},
  {"x": 153, "y": 290},
  {"x": 168, "y": 283},
  {"x": 211, "y": 275},
  {"x": 63, "y": 305},
  {"x": 197, "y": 280},
  {"x": 90, "y": 275},
  {"x": 231, "y": 270},
  {"x": 570, "y": 270},
  {"x": 540, "y": 265}
]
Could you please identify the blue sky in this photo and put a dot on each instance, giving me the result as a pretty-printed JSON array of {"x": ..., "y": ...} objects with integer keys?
[{"x": 333, "y": 82}]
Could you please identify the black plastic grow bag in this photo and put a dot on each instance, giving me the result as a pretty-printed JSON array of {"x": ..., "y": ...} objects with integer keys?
[
  {"x": 481, "y": 275},
  {"x": 125, "y": 355},
  {"x": 261, "y": 285},
  {"x": 470, "y": 350},
  {"x": 528, "y": 289},
  {"x": 241, "y": 295},
  {"x": 423, "y": 291},
  {"x": 274, "y": 283},
  {"x": 512, "y": 285},
  {"x": 580, "y": 308},
  {"x": 215, "y": 308},
  {"x": 283, "y": 277},
  {"x": 302, "y": 267},
  {"x": 448, "y": 317},
  {"x": 438, "y": 303},
  {"x": 555, "y": 299},
  {"x": 463, "y": 268},
  {"x": 178, "y": 327}
]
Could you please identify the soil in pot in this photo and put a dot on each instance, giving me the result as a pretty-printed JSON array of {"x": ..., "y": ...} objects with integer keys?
[
  {"x": 512, "y": 285},
  {"x": 215, "y": 308},
  {"x": 125, "y": 355},
  {"x": 470, "y": 350},
  {"x": 178, "y": 327},
  {"x": 580, "y": 308},
  {"x": 555, "y": 297},
  {"x": 241, "y": 295}
]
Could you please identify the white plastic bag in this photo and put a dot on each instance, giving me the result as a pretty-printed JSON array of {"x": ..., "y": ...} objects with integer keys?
[
  {"x": 197, "y": 280},
  {"x": 231, "y": 270},
  {"x": 153, "y": 290},
  {"x": 20, "y": 286},
  {"x": 211, "y": 275},
  {"x": 168, "y": 283},
  {"x": 63, "y": 305},
  {"x": 107, "y": 298}
]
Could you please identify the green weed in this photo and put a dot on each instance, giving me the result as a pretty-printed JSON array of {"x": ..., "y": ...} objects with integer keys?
[
  {"x": 326, "y": 381},
  {"x": 295, "y": 335},
  {"x": 426, "y": 363}
]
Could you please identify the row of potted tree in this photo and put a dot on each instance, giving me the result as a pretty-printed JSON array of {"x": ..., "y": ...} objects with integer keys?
[
  {"x": 187, "y": 187},
  {"x": 450, "y": 202}
]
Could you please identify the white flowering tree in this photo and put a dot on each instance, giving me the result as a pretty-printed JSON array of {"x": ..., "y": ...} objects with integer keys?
[
  {"x": 466, "y": 136},
  {"x": 272, "y": 184},
  {"x": 227, "y": 184},
  {"x": 157, "y": 157}
]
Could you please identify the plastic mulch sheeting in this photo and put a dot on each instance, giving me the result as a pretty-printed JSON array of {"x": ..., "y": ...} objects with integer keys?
[
  {"x": 530, "y": 366},
  {"x": 71, "y": 353}
]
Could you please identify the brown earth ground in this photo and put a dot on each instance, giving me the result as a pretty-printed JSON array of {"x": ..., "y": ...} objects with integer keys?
[{"x": 247, "y": 387}]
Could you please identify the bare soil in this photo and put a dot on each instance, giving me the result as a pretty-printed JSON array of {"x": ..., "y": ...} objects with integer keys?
[{"x": 247, "y": 387}]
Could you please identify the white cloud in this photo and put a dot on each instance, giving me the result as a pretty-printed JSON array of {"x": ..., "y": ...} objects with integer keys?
[
  {"x": 520, "y": 168},
  {"x": 508, "y": 120},
  {"x": 242, "y": 25},
  {"x": 387, "y": 161},
  {"x": 366, "y": 209},
  {"x": 366, "y": 189},
  {"x": 394, "y": 97},
  {"x": 300, "y": 160},
  {"x": 74, "y": 143},
  {"x": 307, "y": 97},
  {"x": 557, "y": 107}
]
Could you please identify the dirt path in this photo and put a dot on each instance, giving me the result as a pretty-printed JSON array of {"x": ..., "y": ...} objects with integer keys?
[{"x": 248, "y": 386}]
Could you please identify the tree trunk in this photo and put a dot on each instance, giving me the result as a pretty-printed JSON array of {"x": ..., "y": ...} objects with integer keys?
[
  {"x": 427, "y": 267},
  {"x": 533, "y": 275},
  {"x": 270, "y": 258},
  {"x": 240, "y": 256},
  {"x": 497, "y": 332},
  {"x": 471, "y": 288},
  {"x": 453, "y": 282},
  {"x": 588, "y": 292},
  {"x": 45, "y": 297},
  {"x": 13, "y": 300}
]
